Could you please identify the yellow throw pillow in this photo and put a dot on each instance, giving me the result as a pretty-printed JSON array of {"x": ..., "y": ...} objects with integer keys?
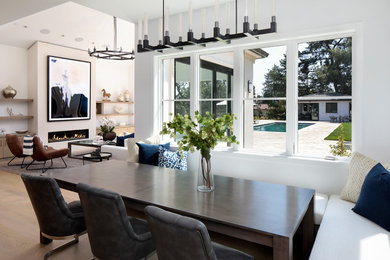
[{"x": 359, "y": 167}]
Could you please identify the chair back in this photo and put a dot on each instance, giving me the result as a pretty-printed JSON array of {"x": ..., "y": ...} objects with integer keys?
[
  {"x": 14, "y": 145},
  {"x": 178, "y": 237},
  {"x": 53, "y": 214},
  {"x": 39, "y": 152},
  {"x": 110, "y": 233}
]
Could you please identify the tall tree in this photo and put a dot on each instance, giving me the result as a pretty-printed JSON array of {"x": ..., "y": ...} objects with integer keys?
[
  {"x": 275, "y": 80},
  {"x": 324, "y": 67}
]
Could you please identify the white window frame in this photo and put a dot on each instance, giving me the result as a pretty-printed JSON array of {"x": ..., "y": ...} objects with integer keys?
[{"x": 292, "y": 43}]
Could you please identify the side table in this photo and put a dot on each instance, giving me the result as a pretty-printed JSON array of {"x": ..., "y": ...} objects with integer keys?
[{"x": 97, "y": 157}]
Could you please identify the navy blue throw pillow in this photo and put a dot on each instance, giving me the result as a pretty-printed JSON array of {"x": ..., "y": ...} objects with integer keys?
[
  {"x": 148, "y": 153},
  {"x": 120, "y": 140},
  {"x": 374, "y": 199}
]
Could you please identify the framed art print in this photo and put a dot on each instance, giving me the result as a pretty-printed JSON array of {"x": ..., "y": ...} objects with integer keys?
[{"x": 69, "y": 89}]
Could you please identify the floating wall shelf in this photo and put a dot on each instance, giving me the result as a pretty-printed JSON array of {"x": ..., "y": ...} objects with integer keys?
[
  {"x": 16, "y": 100},
  {"x": 15, "y": 117}
]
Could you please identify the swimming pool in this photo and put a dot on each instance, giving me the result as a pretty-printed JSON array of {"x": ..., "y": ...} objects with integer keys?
[{"x": 278, "y": 127}]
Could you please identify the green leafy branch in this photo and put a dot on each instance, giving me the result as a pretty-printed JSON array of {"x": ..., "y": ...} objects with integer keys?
[{"x": 202, "y": 135}]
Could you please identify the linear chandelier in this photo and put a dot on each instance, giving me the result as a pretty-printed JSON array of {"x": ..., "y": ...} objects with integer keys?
[
  {"x": 166, "y": 43},
  {"x": 114, "y": 54}
]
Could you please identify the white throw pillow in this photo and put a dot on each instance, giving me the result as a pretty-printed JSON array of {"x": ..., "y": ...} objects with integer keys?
[
  {"x": 359, "y": 167},
  {"x": 132, "y": 147}
]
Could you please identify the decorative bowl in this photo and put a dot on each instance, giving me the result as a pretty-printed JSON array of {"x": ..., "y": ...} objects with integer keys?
[
  {"x": 118, "y": 109},
  {"x": 9, "y": 92},
  {"x": 21, "y": 131}
]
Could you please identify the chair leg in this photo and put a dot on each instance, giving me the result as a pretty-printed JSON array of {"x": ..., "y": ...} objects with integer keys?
[
  {"x": 64, "y": 162},
  {"x": 9, "y": 163},
  {"x": 27, "y": 167},
  {"x": 21, "y": 165},
  {"x": 62, "y": 247},
  {"x": 43, "y": 167},
  {"x": 62, "y": 167},
  {"x": 44, "y": 240}
]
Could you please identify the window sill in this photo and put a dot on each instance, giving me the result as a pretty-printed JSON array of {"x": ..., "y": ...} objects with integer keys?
[{"x": 244, "y": 153}]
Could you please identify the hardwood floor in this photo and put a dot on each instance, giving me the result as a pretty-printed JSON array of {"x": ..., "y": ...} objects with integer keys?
[{"x": 19, "y": 231}]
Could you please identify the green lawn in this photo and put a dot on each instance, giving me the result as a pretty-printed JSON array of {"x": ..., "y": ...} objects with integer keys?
[{"x": 335, "y": 134}]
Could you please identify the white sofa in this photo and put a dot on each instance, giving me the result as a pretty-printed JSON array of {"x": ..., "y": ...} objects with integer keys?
[
  {"x": 129, "y": 154},
  {"x": 118, "y": 152},
  {"x": 345, "y": 235}
]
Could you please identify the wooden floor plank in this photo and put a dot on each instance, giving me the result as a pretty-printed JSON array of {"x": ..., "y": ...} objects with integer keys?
[{"x": 19, "y": 231}]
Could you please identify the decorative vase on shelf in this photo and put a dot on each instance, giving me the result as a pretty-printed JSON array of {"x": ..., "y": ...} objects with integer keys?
[
  {"x": 205, "y": 176},
  {"x": 127, "y": 95},
  {"x": 109, "y": 136},
  {"x": 121, "y": 98},
  {"x": 9, "y": 92}
]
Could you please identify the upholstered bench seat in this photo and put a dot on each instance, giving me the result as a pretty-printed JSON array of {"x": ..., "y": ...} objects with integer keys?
[
  {"x": 320, "y": 203},
  {"x": 345, "y": 235}
]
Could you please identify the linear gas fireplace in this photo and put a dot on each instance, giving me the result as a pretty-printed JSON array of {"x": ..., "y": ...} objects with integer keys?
[{"x": 61, "y": 136}]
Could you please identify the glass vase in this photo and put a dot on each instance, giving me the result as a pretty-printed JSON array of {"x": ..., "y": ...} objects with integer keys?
[{"x": 205, "y": 176}]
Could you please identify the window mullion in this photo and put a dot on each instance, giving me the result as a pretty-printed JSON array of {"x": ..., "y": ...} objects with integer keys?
[
  {"x": 194, "y": 85},
  {"x": 292, "y": 99},
  {"x": 238, "y": 94}
]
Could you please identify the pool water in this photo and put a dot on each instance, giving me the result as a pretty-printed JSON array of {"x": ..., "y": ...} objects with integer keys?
[{"x": 278, "y": 127}]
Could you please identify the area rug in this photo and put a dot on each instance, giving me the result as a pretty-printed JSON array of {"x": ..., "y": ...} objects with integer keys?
[{"x": 71, "y": 162}]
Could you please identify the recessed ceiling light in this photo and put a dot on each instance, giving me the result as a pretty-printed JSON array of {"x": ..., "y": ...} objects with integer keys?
[
  {"x": 63, "y": 35},
  {"x": 25, "y": 26},
  {"x": 45, "y": 31},
  {"x": 79, "y": 39}
]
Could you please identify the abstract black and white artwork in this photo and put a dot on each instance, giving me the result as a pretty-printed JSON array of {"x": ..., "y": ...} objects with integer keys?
[{"x": 69, "y": 89}]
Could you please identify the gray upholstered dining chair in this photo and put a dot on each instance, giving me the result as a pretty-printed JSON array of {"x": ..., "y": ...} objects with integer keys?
[
  {"x": 112, "y": 234},
  {"x": 57, "y": 219},
  {"x": 179, "y": 237}
]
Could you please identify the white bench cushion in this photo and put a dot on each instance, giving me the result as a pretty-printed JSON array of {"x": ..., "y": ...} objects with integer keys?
[
  {"x": 320, "y": 202},
  {"x": 346, "y": 235}
]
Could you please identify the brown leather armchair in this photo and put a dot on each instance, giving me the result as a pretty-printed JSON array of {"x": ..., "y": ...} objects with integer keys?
[
  {"x": 16, "y": 148},
  {"x": 43, "y": 154}
]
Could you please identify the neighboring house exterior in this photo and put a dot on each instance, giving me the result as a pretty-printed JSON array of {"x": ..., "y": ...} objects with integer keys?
[{"x": 325, "y": 107}]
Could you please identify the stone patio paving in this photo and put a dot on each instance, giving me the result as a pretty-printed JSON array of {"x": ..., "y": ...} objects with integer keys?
[{"x": 310, "y": 139}]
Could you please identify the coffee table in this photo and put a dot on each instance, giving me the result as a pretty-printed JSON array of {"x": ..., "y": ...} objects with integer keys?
[
  {"x": 262, "y": 213},
  {"x": 97, "y": 157},
  {"x": 88, "y": 143}
]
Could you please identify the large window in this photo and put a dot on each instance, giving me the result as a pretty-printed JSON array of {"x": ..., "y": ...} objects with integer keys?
[
  {"x": 265, "y": 99},
  {"x": 176, "y": 88},
  {"x": 215, "y": 83},
  {"x": 295, "y": 98},
  {"x": 324, "y": 95}
]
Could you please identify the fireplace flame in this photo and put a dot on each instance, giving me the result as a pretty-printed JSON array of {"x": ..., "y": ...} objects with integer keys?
[{"x": 75, "y": 136}]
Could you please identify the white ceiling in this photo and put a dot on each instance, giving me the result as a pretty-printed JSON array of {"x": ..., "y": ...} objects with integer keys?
[
  {"x": 129, "y": 10},
  {"x": 67, "y": 24},
  {"x": 21, "y": 21}
]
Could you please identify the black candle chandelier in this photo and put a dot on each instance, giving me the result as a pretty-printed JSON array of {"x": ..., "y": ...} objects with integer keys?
[
  {"x": 114, "y": 54},
  {"x": 166, "y": 43}
]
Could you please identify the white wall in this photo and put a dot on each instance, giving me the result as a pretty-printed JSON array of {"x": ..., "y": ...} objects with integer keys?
[
  {"x": 38, "y": 91},
  {"x": 304, "y": 18},
  {"x": 26, "y": 71},
  {"x": 115, "y": 77},
  {"x": 13, "y": 72},
  {"x": 342, "y": 110}
]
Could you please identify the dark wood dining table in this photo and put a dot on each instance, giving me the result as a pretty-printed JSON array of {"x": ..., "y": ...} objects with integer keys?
[{"x": 259, "y": 212}]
